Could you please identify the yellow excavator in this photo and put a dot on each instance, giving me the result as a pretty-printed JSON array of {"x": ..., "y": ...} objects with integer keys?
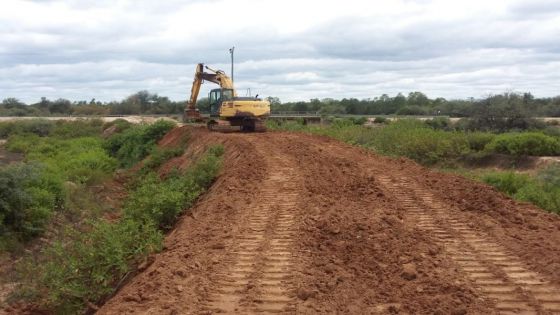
[{"x": 227, "y": 110}]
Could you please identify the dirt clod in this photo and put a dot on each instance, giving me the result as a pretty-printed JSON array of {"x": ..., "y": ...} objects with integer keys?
[
  {"x": 409, "y": 271},
  {"x": 305, "y": 294}
]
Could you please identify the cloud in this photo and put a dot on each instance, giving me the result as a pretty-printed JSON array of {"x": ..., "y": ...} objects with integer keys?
[{"x": 295, "y": 50}]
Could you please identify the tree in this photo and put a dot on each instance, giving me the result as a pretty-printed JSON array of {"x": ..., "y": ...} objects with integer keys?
[
  {"x": 61, "y": 106},
  {"x": 418, "y": 99},
  {"x": 12, "y": 102},
  {"x": 274, "y": 101}
]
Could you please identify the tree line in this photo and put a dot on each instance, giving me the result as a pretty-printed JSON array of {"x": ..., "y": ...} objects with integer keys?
[{"x": 415, "y": 103}]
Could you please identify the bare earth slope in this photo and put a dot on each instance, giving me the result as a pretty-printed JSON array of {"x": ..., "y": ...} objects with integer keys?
[{"x": 305, "y": 224}]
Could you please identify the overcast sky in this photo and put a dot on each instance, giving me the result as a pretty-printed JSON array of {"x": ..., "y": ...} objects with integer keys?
[{"x": 292, "y": 49}]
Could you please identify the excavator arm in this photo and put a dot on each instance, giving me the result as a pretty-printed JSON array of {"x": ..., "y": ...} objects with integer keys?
[{"x": 218, "y": 76}]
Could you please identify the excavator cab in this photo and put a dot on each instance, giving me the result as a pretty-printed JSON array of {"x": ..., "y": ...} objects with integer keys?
[{"x": 216, "y": 97}]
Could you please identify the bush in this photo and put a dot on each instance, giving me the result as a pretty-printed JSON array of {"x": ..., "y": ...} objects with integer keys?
[
  {"x": 412, "y": 110},
  {"x": 28, "y": 196},
  {"x": 440, "y": 123},
  {"x": 135, "y": 143},
  {"x": 413, "y": 139},
  {"x": 77, "y": 128},
  {"x": 289, "y": 125},
  {"x": 122, "y": 124},
  {"x": 60, "y": 128},
  {"x": 88, "y": 268},
  {"x": 359, "y": 120},
  {"x": 507, "y": 182},
  {"x": 550, "y": 175},
  {"x": 161, "y": 201},
  {"x": 380, "y": 120},
  {"x": 81, "y": 160},
  {"x": 22, "y": 143},
  {"x": 543, "y": 191},
  {"x": 158, "y": 156},
  {"x": 478, "y": 140},
  {"x": 39, "y": 127},
  {"x": 527, "y": 143},
  {"x": 88, "y": 265}
]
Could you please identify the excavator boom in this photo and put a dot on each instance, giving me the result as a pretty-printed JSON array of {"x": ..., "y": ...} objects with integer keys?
[{"x": 218, "y": 77}]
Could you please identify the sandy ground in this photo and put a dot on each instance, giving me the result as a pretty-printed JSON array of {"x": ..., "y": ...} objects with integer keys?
[{"x": 301, "y": 224}]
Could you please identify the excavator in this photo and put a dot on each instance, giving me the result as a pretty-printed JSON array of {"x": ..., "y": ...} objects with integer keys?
[{"x": 227, "y": 110}]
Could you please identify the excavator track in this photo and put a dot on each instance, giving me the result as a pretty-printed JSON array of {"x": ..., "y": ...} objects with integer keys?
[
  {"x": 498, "y": 274},
  {"x": 225, "y": 127},
  {"x": 259, "y": 279}
]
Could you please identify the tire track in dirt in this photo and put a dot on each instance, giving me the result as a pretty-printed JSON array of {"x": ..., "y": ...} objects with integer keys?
[
  {"x": 260, "y": 276},
  {"x": 497, "y": 273}
]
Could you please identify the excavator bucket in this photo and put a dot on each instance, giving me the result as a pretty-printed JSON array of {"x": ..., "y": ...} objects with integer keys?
[{"x": 191, "y": 114}]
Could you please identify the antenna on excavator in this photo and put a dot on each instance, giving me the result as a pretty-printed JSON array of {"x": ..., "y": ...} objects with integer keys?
[{"x": 231, "y": 53}]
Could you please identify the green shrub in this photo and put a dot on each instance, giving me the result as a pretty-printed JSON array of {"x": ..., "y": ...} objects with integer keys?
[
  {"x": 547, "y": 198},
  {"x": 359, "y": 120},
  {"x": 543, "y": 190},
  {"x": 39, "y": 127},
  {"x": 80, "y": 160},
  {"x": 552, "y": 131},
  {"x": 60, "y": 128},
  {"x": 91, "y": 261},
  {"x": 526, "y": 143},
  {"x": 28, "y": 196},
  {"x": 413, "y": 139},
  {"x": 77, "y": 128},
  {"x": 507, "y": 182},
  {"x": 122, "y": 124},
  {"x": 88, "y": 267},
  {"x": 342, "y": 122},
  {"x": 550, "y": 175},
  {"x": 158, "y": 156},
  {"x": 135, "y": 143},
  {"x": 441, "y": 123},
  {"x": 412, "y": 110},
  {"x": 288, "y": 125},
  {"x": 161, "y": 200},
  {"x": 32, "y": 192},
  {"x": 380, "y": 120},
  {"x": 478, "y": 140},
  {"x": 22, "y": 143}
]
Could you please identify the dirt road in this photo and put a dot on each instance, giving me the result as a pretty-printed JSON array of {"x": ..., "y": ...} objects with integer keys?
[{"x": 305, "y": 224}]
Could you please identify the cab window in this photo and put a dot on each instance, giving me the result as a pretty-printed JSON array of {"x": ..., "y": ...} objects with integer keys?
[
  {"x": 227, "y": 95},
  {"x": 214, "y": 96}
]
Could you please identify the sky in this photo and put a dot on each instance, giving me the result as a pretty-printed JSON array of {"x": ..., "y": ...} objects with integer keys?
[{"x": 291, "y": 49}]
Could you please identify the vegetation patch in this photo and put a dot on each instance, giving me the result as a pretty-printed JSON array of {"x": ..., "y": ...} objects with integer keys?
[
  {"x": 542, "y": 190},
  {"x": 134, "y": 144},
  {"x": 526, "y": 143},
  {"x": 28, "y": 196},
  {"x": 85, "y": 268}
]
